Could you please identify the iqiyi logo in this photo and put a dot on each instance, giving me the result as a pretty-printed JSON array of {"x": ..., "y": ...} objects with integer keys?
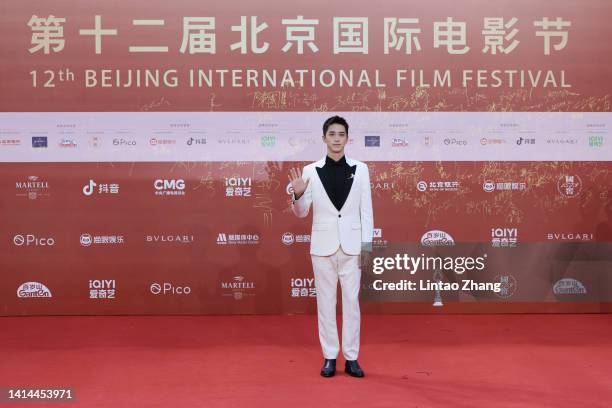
[
  {"x": 268, "y": 141},
  {"x": 595, "y": 141}
]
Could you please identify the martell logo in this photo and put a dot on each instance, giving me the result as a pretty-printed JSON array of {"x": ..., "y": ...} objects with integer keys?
[
  {"x": 238, "y": 287},
  {"x": 33, "y": 188}
]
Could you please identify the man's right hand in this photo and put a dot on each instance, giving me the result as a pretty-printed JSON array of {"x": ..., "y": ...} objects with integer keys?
[{"x": 297, "y": 183}]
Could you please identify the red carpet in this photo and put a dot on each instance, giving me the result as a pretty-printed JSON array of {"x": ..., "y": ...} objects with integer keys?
[{"x": 273, "y": 361}]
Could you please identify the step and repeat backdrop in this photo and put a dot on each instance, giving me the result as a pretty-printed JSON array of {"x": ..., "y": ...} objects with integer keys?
[{"x": 144, "y": 151}]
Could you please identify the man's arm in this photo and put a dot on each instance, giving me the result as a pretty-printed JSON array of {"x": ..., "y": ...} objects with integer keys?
[
  {"x": 367, "y": 216},
  {"x": 301, "y": 205}
]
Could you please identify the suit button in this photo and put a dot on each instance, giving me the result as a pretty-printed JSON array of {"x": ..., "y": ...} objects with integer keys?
[{"x": 339, "y": 215}]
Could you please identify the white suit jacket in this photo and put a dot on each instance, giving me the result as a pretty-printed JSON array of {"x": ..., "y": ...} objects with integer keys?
[{"x": 352, "y": 226}]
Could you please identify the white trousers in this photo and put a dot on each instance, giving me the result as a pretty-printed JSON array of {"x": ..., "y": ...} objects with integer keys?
[{"x": 327, "y": 270}]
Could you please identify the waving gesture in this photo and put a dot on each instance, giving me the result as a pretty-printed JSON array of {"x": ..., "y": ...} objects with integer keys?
[{"x": 298, "y": 184}]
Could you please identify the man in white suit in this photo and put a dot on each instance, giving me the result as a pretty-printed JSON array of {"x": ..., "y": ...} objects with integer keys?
[{"x": 338, "y": 188}]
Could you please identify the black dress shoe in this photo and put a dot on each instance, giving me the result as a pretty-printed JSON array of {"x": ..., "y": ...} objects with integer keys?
[
  {"x": 352, "y": 367},
  {"x": 329, "y": 367}
]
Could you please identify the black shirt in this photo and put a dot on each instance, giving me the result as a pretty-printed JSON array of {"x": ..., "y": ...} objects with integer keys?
[{"x": 337, "y": 178}]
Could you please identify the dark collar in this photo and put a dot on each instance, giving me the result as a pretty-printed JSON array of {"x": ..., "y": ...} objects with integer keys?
[{"x": 331, "y": 162}]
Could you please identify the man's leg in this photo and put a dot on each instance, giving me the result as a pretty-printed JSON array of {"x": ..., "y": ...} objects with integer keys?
[
  {"x": 326, "y": 283},
  {"x": 349, "y": 272}
]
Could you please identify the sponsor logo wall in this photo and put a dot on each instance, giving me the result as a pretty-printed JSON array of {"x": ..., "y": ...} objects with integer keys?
[{"x": 111, "y": 224}]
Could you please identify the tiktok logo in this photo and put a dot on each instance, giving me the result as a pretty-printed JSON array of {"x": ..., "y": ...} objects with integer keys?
[{"x": 88, "y": 189}]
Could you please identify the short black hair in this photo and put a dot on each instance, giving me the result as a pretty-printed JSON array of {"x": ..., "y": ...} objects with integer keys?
[{"x": 335, "y": 119}]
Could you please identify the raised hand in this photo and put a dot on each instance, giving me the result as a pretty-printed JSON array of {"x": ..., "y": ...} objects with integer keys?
[{"x": 297, "y": 183}]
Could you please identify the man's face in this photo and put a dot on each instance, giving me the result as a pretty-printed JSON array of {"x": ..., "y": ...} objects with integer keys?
[{"x": 335, "y": 138}]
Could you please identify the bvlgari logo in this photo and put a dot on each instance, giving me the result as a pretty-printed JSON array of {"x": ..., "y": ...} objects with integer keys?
[
  {"x": 170, "y": 239},
  {"x": 380, "y": 185},
  {"x": 570, "y": 236}
]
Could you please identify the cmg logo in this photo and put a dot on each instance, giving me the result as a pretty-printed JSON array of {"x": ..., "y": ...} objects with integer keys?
[{"x": 169, "y": 184}]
